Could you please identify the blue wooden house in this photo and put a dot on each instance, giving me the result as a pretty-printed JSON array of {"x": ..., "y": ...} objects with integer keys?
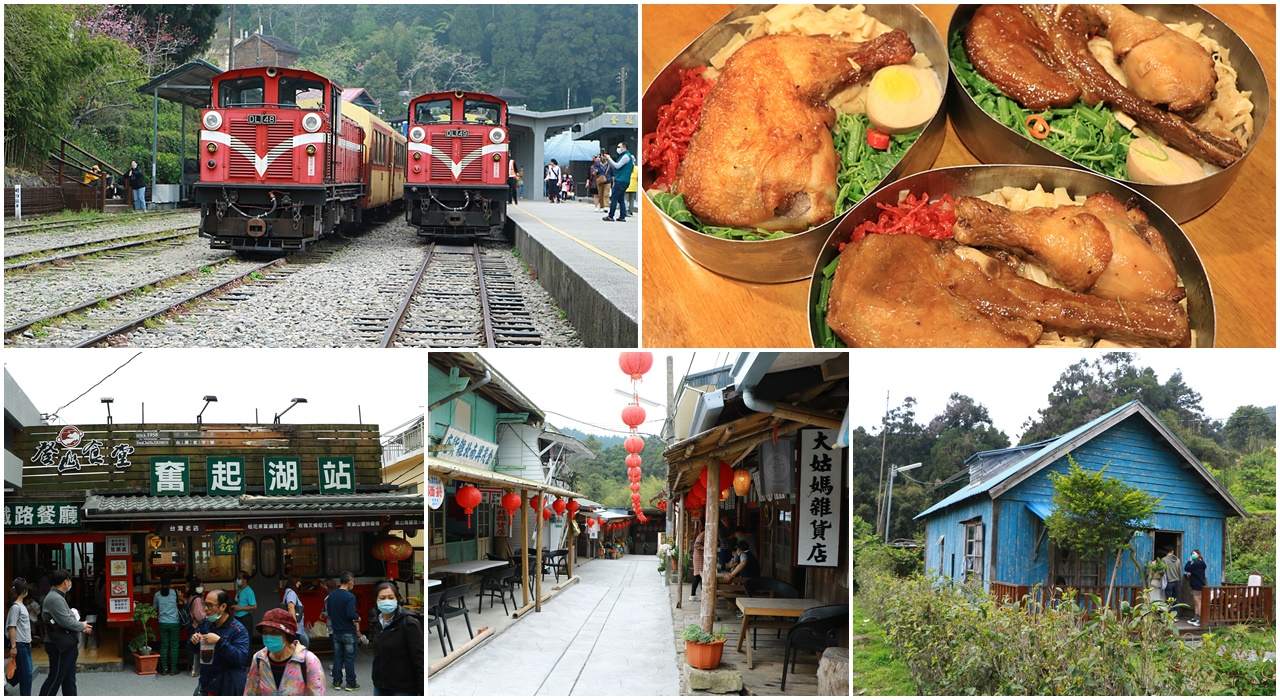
[{"x": 993, "y": 530}]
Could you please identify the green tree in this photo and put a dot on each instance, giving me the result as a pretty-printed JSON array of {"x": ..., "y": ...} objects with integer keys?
[
  {"x": 1095, "y": 514},
  {"x": 1250, "y": 429},
  {"x": 382, "y": 80},
  {"x": 200, "y": 23}
]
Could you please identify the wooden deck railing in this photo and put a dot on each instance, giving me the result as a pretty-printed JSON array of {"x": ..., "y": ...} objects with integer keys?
[
  {"x": 1011, "y": 593},
  {"x": 1232, "y": 604}
]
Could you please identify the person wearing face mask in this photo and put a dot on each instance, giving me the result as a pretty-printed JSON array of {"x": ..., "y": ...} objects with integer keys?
[
  {"x": 62, "y": 632},
  {"x": 195, "y": 609},
  {"x": 1195, "y": 568},
  {"x": 224, "y": 674},
  {"x": 284, "y": 666},
  {"x": 622, "y": 168},
  {"x": 246, "y": 602},
  {"x": 344, "y": 629},
  {"x": 17, "y": 636},
  {"x": 397, "y": 646}
]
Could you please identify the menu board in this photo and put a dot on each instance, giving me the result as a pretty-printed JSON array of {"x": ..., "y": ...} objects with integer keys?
[{"x": 119, "y": 589}]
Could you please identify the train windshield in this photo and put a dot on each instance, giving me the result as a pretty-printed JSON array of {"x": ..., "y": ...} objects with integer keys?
[
  {"x": 241, "y": 92},
  {"x": 429, "y": 111},
  {"x": 482, "y": 112},
  {"x": 302, "y": 93}
]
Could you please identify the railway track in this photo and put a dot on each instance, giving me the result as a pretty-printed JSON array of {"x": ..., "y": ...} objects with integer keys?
[
  {"x": 57, "y": 254},
  {"x": 43, "y": 227},
  {"x": 467, "y": 298}
]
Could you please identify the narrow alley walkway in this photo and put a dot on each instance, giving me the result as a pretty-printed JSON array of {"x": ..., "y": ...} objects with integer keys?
[{"x": 609, "y": 634}]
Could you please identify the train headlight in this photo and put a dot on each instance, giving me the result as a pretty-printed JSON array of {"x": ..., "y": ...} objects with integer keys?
[
  {"x": 312, "y": 121},
  {"x": 417, "y": 134},
  {"x": 212, "y": 120},
  {"x": 311, "y": 149},
  {"x": 211, "y": 163},
  {"x": 212, "y": 147},
  {"x": 497, "y": 135},
  {"x": 497, "y": 157},
  {"x": 417, "y": 155}
]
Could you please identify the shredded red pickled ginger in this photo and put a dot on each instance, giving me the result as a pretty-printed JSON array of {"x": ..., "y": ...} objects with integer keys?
[
  {"x": 914, "y": 215},
  {"x": 664, "y": 149}
]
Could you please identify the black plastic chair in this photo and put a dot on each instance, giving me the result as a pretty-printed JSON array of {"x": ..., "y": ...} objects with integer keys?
[
  {"x": 433, "y": 618},
  {"x": 817, "y": 629},
  {"x": 497, "y": 582},
  {"x": 447, "y": 612},
  {"x": 556, "y": 561},
  {"x": 765, "y": 587}
]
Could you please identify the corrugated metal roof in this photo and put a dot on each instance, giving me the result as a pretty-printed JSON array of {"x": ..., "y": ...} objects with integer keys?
[{"x": 1014, "y": 467}]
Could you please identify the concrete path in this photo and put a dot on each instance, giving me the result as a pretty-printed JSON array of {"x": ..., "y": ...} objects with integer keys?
[
  {"x": 590, "y": 266},
  {"x": 609, "y": 634}
]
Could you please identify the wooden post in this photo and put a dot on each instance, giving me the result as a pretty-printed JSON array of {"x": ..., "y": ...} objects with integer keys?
[
  {"x": 524, "y": 545},
  {"x": 679, "y": 550},
  {"x": 712, "y": 530},
  {"x": 573, "y": 543},
  {"x": 537, "y": 597}
]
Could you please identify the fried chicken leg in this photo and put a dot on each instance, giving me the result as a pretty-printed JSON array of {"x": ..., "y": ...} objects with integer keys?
[
  {"x": 762, "y": 155},
  {"x": 1162, "y": 66},
  {"x": 1007, "y": 49}
]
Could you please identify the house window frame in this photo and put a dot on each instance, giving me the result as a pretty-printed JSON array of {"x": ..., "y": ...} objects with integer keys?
[
  {"x": 974, "y": 550},
  {"x": 1069, "y": 567}
]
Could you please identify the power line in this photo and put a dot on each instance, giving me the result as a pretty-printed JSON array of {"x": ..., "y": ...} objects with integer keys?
[{"x": 49, "y": 416}]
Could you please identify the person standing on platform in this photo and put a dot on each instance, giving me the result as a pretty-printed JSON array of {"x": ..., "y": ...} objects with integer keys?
[
  {"x": 344, "y": 628},
  {"x": 246, "y": 603},
  {"x": 138, "y": 183},
  {"x": 594, "y": 175},
  {"x": 607, "y": 186},
  {"x": 165, "y": 601},
  {"x": 293, "y": 604},
  {"x": 513, "y": 174},
  {"x": 62, "y": 636},
  {"x": 552, "y": 180},
  {"x": 223, "y": 668},
  {"x": 195, "y": 608},
  {"x": 17, "y": 636},
  {"x": 397, "y": 646},
  {"x": 283, "y": 666},
  {"x": 622, "y": 168}
]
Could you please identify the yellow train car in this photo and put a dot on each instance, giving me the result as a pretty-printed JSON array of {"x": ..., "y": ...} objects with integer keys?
[{"x": 384, "y": 157}]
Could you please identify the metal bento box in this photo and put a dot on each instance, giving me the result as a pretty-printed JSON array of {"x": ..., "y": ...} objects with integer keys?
[
  {"x": 790, "y": 258},
  {"x": 974, "y": 180},
  {"x": 993, "y": 142}
]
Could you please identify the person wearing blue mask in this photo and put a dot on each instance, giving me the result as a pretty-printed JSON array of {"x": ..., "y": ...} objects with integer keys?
[
  {"x": 283, "y": 666},
  {"x": 622, "y": 168},
  {"x": 397, "y": 646},
  {"x": 344, "y": 630},
  {"x": 1195, "y": 568}
]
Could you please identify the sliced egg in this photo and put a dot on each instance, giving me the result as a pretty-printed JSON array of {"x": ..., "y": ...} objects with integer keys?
[
  {"x": 902, "y": 98},
  {"x": 1153, "y": 163}
]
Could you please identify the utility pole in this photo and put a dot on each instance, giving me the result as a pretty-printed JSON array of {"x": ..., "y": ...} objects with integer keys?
[
  {"x": 231, "y": 39},
  {"x": 622, "y": 80},
  {"x": 884, "y": 436}
]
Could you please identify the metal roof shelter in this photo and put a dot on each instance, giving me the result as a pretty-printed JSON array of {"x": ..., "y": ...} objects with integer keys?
[{"x": 189, "y": 85}]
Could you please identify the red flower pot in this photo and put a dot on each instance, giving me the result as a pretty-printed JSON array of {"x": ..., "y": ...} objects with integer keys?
[
  {"x": 145, "y": 665},
  {"x": 704, "y": 656}
]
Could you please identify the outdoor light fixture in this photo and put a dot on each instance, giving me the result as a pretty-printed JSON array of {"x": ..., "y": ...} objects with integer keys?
[
  {"x": 741, "y": 481},
  {"x": 291, "y": 405},
  {"x": 207, "y": 400},
  {"x": 892, "y": 473},
  {"x": 108, "y": 401}
]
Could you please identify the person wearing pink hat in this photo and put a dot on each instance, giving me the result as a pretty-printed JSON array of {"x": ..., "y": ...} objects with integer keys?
[{"x": 283, "y": 666}]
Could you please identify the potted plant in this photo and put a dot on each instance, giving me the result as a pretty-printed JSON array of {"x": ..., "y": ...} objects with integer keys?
[
  {"x": 1155, "y": 573},
  {"x": 144, "y": 661},
  {"x": 702, "y": 649}
]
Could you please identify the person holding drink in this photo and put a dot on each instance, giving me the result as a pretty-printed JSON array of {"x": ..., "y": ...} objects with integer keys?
[{"x": 224, "y": 647}]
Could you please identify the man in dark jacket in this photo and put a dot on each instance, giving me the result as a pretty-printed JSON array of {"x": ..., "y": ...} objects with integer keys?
[
  {"x": 62, "y": 636},
  {"x": 225, "y": 674},
  {"x": 138, "y": 183},
  {"x": 397, "y": 653},
  {"x": 344, "y": 630}
]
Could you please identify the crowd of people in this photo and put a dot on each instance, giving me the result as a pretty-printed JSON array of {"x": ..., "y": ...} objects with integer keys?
[
  {"x": 215, "y": 624},
  {"x": 611, "y": 183},
  {"x": 134, "y": 177}
]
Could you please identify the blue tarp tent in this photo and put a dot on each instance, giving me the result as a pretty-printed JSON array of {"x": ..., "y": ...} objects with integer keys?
[{"x": 564, "y": 149}]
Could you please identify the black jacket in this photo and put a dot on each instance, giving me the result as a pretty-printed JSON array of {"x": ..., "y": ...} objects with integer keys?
[
  {"x": 135, "y": 177},
  {"x": 398, "y": 653}
]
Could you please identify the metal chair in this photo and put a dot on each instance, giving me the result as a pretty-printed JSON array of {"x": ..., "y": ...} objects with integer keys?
[
  {"x": 765, "y": 587},
  {"x": 433, "y": 618},
  {"x": 446, "y": 611},
  {"x": 817, "y": 629},
  {"x": 557, "y": 561},
  {"x": 497, "y": 582}
]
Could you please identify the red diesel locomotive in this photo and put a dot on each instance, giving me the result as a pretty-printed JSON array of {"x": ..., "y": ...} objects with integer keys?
[
  {"x": 284, "y": 162},
  {"x": 456, "y": 180}
]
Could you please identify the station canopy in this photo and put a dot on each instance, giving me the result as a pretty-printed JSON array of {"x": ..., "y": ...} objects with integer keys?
[{"x": 188, "y": 84}]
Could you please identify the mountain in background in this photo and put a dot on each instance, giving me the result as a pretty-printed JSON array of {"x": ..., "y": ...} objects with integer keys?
[{"x": 605, "y": 441}]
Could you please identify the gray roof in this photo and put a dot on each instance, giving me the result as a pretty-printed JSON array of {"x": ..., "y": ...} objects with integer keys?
[
  {"x": 101, "y": 507},
  {"x": 274, "y": 42},
  {"x": 188, "y": 84}
]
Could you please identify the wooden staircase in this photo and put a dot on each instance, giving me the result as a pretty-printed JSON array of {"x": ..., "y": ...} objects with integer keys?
[{"x": 67, "y": 169}]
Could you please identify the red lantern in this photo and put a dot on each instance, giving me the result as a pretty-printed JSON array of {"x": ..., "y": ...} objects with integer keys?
[
  {"x": 635, "y": 363},
  {"x": 699, "y": 491},
  {"x": 633, "y": 415},
  {"x": 634, "y": 461},
  {"x": 546, "y": 513},
  {"x": 573, "y": 508},
  {"x": 633, "y": 474},
  {"x": 726, "y": 475},
  {"x": 511, "y": 503},
  {"x": 468, "y": 497},
  {"x": 591, "y": 522},
  {"x": 633, "y": 444},
  {"x": 635, "y": 488},
  {"x": 533, "y": 502},
  {"x": 662, "y": 505},
  {"x": 392, "y": 550},
  {"x": 558, "y": 506}
]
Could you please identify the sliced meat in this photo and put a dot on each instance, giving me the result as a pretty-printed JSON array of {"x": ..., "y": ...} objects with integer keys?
[{"x": 1004, "y": 47}]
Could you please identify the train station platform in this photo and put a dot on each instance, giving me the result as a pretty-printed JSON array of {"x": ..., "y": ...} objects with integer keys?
[{"x": 590, "y": 267}]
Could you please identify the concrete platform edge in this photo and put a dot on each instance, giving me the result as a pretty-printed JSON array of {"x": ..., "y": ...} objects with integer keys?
[{"x": 599, "y": 321}]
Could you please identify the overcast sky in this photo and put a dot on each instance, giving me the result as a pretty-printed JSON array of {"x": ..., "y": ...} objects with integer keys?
[
  {"x": 388, "y": 386},
  {"x": 1015, "y": 385},
  {"x": 581, "y": 383}
]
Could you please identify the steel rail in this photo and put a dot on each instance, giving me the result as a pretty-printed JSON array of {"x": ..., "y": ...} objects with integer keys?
[
  {"x": 191, "y": 231},
  {"x": 403, "y": 312},
  {"x": 489, "y": 340}
]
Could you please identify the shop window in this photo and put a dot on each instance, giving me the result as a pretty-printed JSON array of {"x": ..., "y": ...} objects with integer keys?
[
  {"x": 165, "y": 555},
  {"x": 301, "y": 555},
  {"x": 435, "y": 524},
  {"x": 342, "y": 552},
  {"x": 484, "y": 519},
  {"x": 1076, "y": 571},
  {"x": 973, "y": 551},
  {"x": 247, "y": 553},
  {"x": 268, "y": 557},
  {"x": 210, "y": 566}
]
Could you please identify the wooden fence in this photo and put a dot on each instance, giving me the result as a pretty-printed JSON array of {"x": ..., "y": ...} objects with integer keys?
[
  {"x": 1222, "y": 605},
  {"x": 1010, "y": 593},
  {"x": 35, "y": 200}
]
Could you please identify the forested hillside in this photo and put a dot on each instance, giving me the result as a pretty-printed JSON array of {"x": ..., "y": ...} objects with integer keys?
[{"x": 604, "y": 479}]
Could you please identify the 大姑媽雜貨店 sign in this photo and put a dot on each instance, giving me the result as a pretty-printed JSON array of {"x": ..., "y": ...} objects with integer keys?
[{"x": 818, "y": 527}]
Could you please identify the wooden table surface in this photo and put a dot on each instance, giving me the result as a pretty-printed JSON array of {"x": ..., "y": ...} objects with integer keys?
[
  {"x": 777, "y": 607},
  {"x": 467, "y": 567},
  {"x": 686, "y": 305}
]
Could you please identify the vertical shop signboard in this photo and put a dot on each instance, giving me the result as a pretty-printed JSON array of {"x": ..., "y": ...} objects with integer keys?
[
  {"x": 170, "y": 476},
  {"x": 818, "y": 525},
  {"x": 225, "y": 476},
  {"x": 281, "y": 476},
  {"x": 119, "y": 580},
  {"x": 337, "y": 475}
]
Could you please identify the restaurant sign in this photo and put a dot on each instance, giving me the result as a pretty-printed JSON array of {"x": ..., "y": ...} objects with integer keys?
[
  {"x": 469, "y": 449},
  {"x": 818, "y": 528},
  {"x": 337, "y": 475},
  {"x": 282, "y": 476},
  {"x": 69, "y": 451},
  {"x": 181, "y": 529},
  {"x": 435, "y": 492},
  {"x": 224, "y": 543},
  {"x": 225, "y": 476},
  {"x": 170, "y": 476},
  {"x": 18, "y": 515}
]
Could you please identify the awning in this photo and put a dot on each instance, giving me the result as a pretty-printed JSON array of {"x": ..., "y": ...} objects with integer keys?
[
  {"x": 729, "y": 442},
  {"x": 98, "y": 508},
  {"x": 475, "y": 475},
  {"x": 188, "y": 84},
  {"x": 1040, "y": 508}
]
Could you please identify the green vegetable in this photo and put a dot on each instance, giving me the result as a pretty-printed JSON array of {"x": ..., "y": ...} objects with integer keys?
[
  {"x": 1090, "y": 136},
  {"x": 673, "y": 206},
  {"x": 862, "y": 168},
  {"x": 826, "y": 337}
]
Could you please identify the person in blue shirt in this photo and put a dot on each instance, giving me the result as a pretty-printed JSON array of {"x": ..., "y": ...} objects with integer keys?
[
  {"x": 344, "y": 630},
  {"x": 165, "y": 601},
  {"x": 246, "y": 602},
  {"x": 225, "y": 674}
]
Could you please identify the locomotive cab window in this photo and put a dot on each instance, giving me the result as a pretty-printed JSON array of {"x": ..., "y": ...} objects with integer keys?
[
  {"x": 429, "y": 111},
  {"x": 482, "y": 112},
  {"x": 241, "y": 92},
  {"x": 301, "y": 92}
]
